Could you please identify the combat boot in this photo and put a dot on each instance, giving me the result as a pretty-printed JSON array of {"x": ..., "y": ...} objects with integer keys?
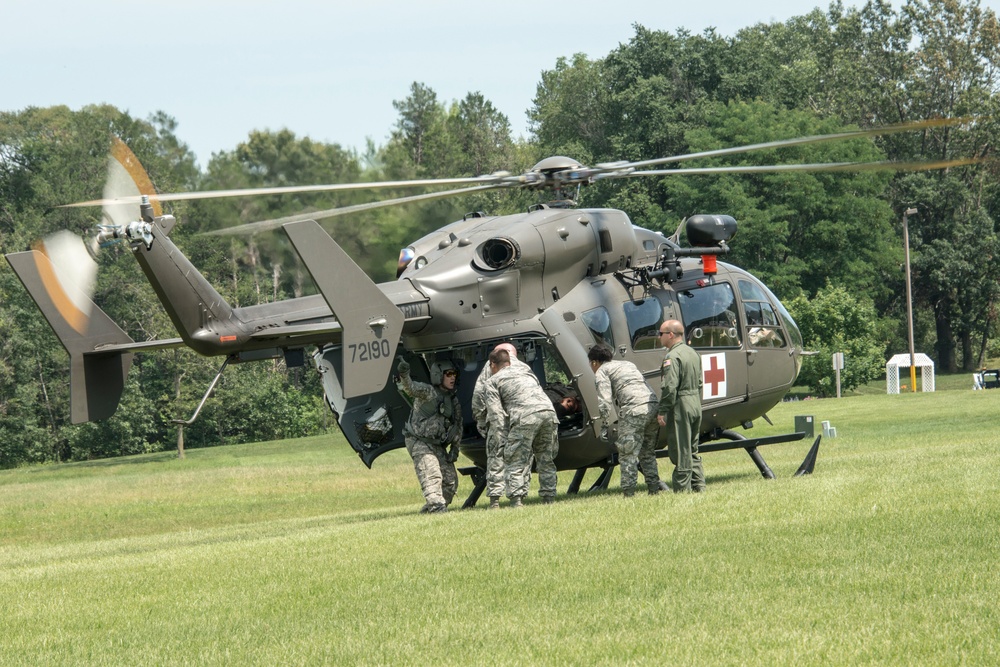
[
  {"x": 494, "y": 502},
  {"x": 517, "y": 501},
  {"x": 628, "y": 493},
  {"x": 436, "y": 508},
  {"x": 654, "y": 490},
  {"x": 548, "y": 500}
]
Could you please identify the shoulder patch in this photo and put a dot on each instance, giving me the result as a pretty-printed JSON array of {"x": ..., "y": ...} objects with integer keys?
[{"x": 666, "y": 363}]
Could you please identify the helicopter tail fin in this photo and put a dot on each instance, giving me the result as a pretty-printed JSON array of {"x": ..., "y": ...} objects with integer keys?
[
  {"x": 96, "y": 378},
  {"x": 372, "y": 324}
]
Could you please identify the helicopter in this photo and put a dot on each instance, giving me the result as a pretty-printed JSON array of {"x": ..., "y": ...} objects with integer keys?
[{"x": 553, "y": 280}]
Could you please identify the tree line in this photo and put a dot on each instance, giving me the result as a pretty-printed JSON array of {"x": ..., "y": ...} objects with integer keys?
[{"x": 829, "y": 245}]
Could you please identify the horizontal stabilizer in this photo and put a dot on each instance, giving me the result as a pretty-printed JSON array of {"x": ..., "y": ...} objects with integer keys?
[{"x": 372, "y": 324}]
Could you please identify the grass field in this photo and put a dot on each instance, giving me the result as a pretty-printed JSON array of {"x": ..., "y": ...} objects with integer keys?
[{"x": 292, "y": 553}]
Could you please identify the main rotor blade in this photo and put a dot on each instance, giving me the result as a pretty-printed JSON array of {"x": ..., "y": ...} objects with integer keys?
[
  {"x": 801, "y": 141},
  {"x": 264, "y": 225},
  {"x": 501, "y": 178},
  {"x": 887, "y": 165}
]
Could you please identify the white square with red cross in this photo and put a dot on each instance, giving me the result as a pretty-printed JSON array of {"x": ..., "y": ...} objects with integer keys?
[{"x": 713, "y": 368}]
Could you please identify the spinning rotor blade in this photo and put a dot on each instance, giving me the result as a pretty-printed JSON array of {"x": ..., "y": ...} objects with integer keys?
[
  {"x": 801, "y": 141},
  {"x": 553, "y": 173},
  {"x": 886, "y": 165},
  {"x": 71, "y": 278},
  {"x": 74, "y": 269},
  {"x": 126, "y": 183},
  {"x": 499, "y": 179},
  {"x": 264, "y": 225}
]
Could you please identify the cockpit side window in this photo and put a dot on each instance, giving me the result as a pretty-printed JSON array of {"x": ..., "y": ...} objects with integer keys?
[
  {"x": 644, "y": 319},
  {"x": 710, "y": 316},
  {"x": 763, "y": 325},
  {"x": 599, "y": 322}
]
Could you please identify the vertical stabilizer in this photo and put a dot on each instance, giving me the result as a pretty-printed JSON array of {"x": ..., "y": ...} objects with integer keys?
[
  {"x": 96, "y": 379},
  {"x": 371, "y": 323}
]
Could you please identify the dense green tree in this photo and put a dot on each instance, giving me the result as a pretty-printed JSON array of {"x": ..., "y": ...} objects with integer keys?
[
  {"x": 835, "y": 320},
  {"x": 481, "y": 135},
  {"x": 57, "y": 156}
]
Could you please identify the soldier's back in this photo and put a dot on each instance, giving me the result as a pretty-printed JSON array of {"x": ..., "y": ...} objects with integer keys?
[{"x": 521, "y": 392}]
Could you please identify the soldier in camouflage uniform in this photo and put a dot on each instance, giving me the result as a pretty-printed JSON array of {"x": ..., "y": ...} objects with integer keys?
[
  {"x": 620, "y": 383},
  {"x": 514, "y": 398},
  {"x": 495, "y": 438},
  {"x": 680, "y": 407},
  {"x": 435, "y": 424}
]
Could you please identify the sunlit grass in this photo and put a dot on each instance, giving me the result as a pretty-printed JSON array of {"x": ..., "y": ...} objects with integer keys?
[{"x": 294, "y": 553}]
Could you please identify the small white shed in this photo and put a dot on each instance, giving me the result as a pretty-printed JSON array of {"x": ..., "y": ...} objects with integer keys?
[{"x": 898, "y": 361}]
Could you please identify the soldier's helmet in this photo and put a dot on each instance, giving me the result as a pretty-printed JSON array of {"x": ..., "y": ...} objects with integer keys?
[{"x": 438, "y": 369}]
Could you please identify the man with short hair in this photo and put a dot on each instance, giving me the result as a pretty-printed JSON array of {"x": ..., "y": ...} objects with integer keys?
[
  {"x": 620, "y": 383},
  {"x": 496, "y": 438},
  {"x": 435, "y": 424},
  {"x": 680, "y": 407},
  {"x": 515, "y": 398}
]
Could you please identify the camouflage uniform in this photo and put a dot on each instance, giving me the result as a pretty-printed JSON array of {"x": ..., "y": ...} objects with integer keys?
[
  {"x": 621, "y": 383},
  {"x": 496, "y": 438},
  {"x": 435, "y": 423},
  {"x": 514, "y": 397},
  {"x": 680, "y": 406}
]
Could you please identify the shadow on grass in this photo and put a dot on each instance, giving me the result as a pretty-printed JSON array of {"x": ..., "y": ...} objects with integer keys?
[{"x": 138, "y": 459}]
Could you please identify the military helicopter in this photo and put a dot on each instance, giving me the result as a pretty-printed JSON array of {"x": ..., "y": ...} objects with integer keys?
[{"x": 553, "y": 280}]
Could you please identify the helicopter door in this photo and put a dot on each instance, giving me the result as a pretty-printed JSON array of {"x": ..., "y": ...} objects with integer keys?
[
  {"x": 574, "y": 356},
  {"x": 711, "y": 326},
  {"x": 372, "y": 424},
  {"x": 768, "y": 352}
]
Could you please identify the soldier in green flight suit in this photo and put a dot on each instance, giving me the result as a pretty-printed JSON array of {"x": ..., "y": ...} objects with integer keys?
[{"x": 680, "y": 407}]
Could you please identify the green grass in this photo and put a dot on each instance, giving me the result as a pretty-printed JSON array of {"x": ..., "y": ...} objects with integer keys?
[{"x": 293, "y": 553}]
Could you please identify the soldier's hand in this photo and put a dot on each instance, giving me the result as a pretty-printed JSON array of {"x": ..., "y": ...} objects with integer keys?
[
  {"x": 403, "y": 367},
  {"x": 453, "y": 453}
]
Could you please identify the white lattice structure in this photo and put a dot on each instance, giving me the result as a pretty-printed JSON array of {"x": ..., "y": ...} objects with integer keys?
[{"x": 903, "y": 361}]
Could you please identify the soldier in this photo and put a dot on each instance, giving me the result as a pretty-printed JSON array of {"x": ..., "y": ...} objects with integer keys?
[
  {"x": 495, "y": 438},
  {"x": 514, "y": 398},
  {"x": 621, "y": 383},
  {"x": 435, "y": 424},
  {"x": 680, "y": 407}
]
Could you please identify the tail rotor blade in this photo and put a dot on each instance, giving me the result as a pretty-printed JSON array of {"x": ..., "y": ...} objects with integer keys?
[
  {"x": 126, "y": 178},
  {"x": 74, "y": 269}
]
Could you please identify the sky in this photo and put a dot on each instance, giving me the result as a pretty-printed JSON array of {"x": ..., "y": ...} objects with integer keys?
[{"x": 327, "y": 70}]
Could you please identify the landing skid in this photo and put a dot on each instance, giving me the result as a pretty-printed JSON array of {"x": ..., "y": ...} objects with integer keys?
[
  {"x": 478, "y": 477},
  {"x": 730, "y": 440}
]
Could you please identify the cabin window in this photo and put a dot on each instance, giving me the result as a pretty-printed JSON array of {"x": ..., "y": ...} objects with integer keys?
[
  {"x": 710, "y": 319},
  {"x": 763, "y": 324},
  {"x": 598, "y": 320},
  {"x": 644, "y": 319}
]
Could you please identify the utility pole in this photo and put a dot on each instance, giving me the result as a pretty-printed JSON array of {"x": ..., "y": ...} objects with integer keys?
[{"x": 909, "y": 298}]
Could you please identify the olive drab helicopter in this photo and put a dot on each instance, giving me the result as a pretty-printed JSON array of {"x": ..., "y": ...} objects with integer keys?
[{"x": 553, "y": 280}]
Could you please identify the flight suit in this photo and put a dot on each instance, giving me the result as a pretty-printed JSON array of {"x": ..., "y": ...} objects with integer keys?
[
  {"x": 515, "y": 398},
  {"x": 435, "y": 423},
  {"x": 621, "y": 383},
  {"x": 680, "y": 406}
]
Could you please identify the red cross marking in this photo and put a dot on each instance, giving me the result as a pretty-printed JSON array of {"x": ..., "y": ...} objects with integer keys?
[{"x": 714, "y": 375}]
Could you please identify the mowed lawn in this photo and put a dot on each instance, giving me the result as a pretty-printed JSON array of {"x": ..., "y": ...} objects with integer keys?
[{"x": 293, "y": 553}]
